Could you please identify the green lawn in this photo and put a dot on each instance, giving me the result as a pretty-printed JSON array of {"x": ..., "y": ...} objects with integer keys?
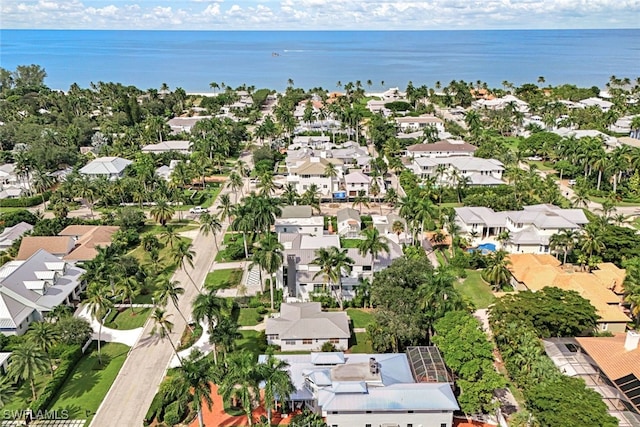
[
  {"x": 360, "y": 343},
  {"x": 450, "y": 205},
  {"x": 85, "y": 389},
  {"x": 476, "y": 289},
  {"x": 360, "y": 318},
  {"x": 126, "y": 319},
  {"x": 209, "y": 198},
  {"x": 248, "y": 317},
  {"x": 223, "y": 279},
  {"x": 166, "y": 266},
  {"x": 254, "y": 341},
  {"x": 541, "y": 165},
  {"x": 622, "y": 203},
  {"x": 349, "y": 243}
]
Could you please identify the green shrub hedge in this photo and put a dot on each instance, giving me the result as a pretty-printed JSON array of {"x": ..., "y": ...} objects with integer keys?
[
  {"x": 69, "y": 360},
  {"x": 24, "y": 202}
]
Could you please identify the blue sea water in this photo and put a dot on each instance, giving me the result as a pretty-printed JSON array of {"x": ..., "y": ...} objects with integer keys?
[{"x": 193, "y": 59}]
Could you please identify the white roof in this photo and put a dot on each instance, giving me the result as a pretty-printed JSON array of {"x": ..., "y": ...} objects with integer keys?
[
  {"x": 356, "y": 177},
  {"x": 166, "y": 146},
  {"x": 105, "y": 166},
  {"x": 307, "y": 320}
]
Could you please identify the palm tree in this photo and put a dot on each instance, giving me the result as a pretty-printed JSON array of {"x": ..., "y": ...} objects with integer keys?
[
  {"x": 170, "y": 236},
  {"x": 268, "y": 254},
  {"x": 333, "y": 262},
  {"x": 236, "y": 183},
  {"x": 99, "y": 303},
  {"x": 289, "y": 195},
  {"x": 361, "y": 199},
  {"x": 398, "y": 228},
  {"x": 210, "y": 308},
  {"x": 242, "y": 381},
  {"x": 373, "y": 244},
  {"x": 197, "y": 374},
  {"x": 331, "y": 172},
  {"x": 497, "y": 272},
  {"x": 438, "y": 296},
  {"x": 183, "y": 255},
  {"x": 27, "y": 362},
  {"x": 225, "y": 207},
  {"x": 45, "y": 335},
  {"x": 170, "y": 290},
  {"x": 128, "y": 288},
  {"x": 6, "y": 390},
  {"x": 277, "y": 383},
  {"x": 210, "y": 224},
  {"x": 162, "y": 328},
  {"x": 162, "y": 211}
]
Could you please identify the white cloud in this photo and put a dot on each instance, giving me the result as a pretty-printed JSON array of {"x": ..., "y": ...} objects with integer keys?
[{"x": 319, "y": 14}]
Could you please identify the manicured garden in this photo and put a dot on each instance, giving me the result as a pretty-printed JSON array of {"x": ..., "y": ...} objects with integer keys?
[
  {"x": 85, "y": 389},
  {"x": 223, "y": 279},
  {"x": 125, "y": 318},
  {"x": 475, "y": 289},
  {"x": 360, "y": 343},
  {"x": 359, "y": 318}
]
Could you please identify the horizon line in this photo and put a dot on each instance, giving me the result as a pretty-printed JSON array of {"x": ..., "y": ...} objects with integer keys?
[{"x": 324, "y": 30}]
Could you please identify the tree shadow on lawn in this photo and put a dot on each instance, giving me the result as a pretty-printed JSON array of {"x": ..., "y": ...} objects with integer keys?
[{"x": 82, "y": 381}]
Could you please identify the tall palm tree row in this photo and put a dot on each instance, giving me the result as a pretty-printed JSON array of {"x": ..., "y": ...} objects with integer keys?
[{"x": 99, "y": 304}]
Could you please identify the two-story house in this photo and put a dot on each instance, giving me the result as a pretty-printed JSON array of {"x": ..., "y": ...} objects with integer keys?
[
  {"x": 313, "y": 170},
  {"x": 364, "y": 390},
  {"x": 444, "y": 148},
  {"x": 449, "y": 171},
  {"x": 528, "y": 230},
  {"x": 299, "y": 220},
  {"x": 410, "y": 124}
]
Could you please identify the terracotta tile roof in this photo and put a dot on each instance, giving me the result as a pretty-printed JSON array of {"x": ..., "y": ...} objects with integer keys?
[
  {"x": 610, "y": 355},
  {"x": 611, "y": 276},
  {"x": 89, "y": 238},
  {"x": 56, "y": 245},
  {"x": 538, "y": 271}
]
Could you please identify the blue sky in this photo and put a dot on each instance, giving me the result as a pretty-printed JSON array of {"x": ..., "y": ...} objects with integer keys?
[{"x": 318, "y": 14}]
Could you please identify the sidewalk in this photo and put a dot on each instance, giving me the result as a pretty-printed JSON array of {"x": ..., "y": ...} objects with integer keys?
[{"x": 128, "y": 337}]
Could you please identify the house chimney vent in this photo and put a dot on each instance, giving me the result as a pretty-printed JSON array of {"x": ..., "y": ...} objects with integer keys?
[{"x": 632, "y": 340}]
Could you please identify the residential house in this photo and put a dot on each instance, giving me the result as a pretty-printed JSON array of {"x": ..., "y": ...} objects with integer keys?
[
  {"x": 507, "y": 101},
  {"x": 182, "y": 147},
  {"x": 111, "y": 168},
  {"x": 450, "y": 171},
  {"x": 312, "y": 171},
  {"x": 316, "y": 141},
  {"x": 610, "y": 366},
  {"x": 444, "y": 148},
  {"x": 378, "y": 106},
  {"x": 4, "y": 361},
  {"x": 349, "y": 223},
  {"x": 300, "y": 220},
  {"x": 74, "y": 244},
  {"x": 529, "y": 230},
  {"x": 410, "y": 124},
  {"x": 535, "y": 272},
  {"x": 58, "y": 246},
  {"x": 608, "y": 140},
  {"x": 356, "y": 182},
  {"x": 596, "y": 102},
  {"x": 87, "y": 239},
  {"x": 12, "y": 183},
  {"x": 30, "y": 288},
  {"x": 305, "y": 327},
  {"x": 11, "y": 234},
  {"x": 300, "y": 278},
  {"x": 184, "y": 124},
  {"x": 360, "y": 390}
]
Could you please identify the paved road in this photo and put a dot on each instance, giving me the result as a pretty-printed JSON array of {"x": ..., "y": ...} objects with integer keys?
[{"x": 131, "y": 394}]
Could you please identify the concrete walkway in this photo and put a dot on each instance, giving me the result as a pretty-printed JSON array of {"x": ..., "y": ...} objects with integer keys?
[
  {"x": 202, "y": 344},
  {"x": 128, "y": 337}
]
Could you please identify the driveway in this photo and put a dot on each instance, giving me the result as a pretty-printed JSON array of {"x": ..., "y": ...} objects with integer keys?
[
  {"x": 132, "y": 392},
  {"x": 128, "y": 337}
]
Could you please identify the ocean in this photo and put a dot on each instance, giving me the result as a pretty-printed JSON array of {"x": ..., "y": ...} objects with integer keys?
[{"x": 193, "y": 59}]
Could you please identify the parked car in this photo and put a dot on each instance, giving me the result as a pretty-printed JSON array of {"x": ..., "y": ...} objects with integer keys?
[
  {"x": 198, "y": 210},
  {"x": 572, "y": 182}
]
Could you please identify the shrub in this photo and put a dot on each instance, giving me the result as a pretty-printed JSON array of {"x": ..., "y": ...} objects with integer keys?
[
  {"x": 262, "y": 310},
  {"x": 12, "y": 218},
  {"x": 328, "y": 347},
  {"x": 68, "y": 363},
  {"x": 25, "y": 202},
  {"x": 155, "y": 410},
  {"x": 172, "y": 414}
]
